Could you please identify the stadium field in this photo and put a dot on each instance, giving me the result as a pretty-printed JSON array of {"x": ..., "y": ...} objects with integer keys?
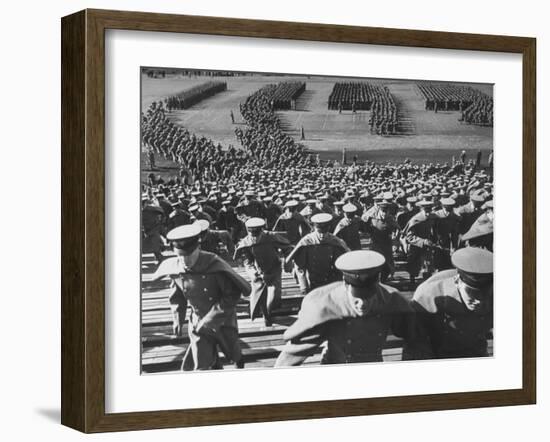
[{"x": 424, "y": 136}]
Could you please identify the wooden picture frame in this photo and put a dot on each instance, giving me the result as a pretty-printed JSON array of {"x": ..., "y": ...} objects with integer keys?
[{"x": 83, "y": 219}]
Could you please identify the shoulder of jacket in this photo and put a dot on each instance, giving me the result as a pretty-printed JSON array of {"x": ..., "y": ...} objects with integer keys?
[
  {"x": 324, "y": 295},
  {"x": 435, "y": 287},
  {"x": 420, "y": 216},
  {"x": 168, "y": 267}
]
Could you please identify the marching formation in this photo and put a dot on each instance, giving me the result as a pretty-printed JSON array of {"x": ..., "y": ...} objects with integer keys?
[
  {"x": 352, "y": 96},
  {"x": 286, "y": 93},
  {"x": 192, "y": 96},
  {"x": 475, "y": 107},
  {"x": 480, "y": 112},
  {"x": 199, "y": 157},
  {"x": 266, "y": 144},
  {"x": 383, "y": 116},
  {"x": 365, "y": 96}
]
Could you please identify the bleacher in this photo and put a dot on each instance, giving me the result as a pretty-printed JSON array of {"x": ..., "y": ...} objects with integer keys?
[{"x": 162, "y": 351}]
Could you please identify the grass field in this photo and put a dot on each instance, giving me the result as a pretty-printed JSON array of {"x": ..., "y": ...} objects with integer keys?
[{"x": 426, "y": 137}]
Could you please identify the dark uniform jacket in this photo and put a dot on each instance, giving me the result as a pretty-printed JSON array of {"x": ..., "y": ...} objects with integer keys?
[
  {"x": 328, "y": 316},
  {"x": 294, "y": 225},
  {"x": 152, "y": 218},
  {"x": 166, "y": 207},
  {"x": 211, "y": 211},
  {"x": 451, "y": 329},
  {"x": 212, "y": 289},
  {"x": 468, "y": 214},
  {"x": 419, "y": 231},
  {"x": 403, "y": 217},
  {"x": 211, "y": 241},
  {"x": 481, "y": 233},
  {"x": 316, "y": 258},
  {"x": 226, "y": 219},
  {"x": 348, "y": 230},
  {"x": 446, "y": 229},
  {"x": 178, "y": 217},
  {"x": 263, "y": 263},
  {"x": 380, "y": 230},
  {"x": 272, "y": 213},
  {"x": 254, "y": 209}
]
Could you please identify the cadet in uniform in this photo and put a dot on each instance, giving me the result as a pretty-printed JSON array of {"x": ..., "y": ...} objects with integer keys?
[
  {"x": 252, "y": 208},
  {"x": 380, "y": 225},
  {"x": 337, "y": 215},
  {"x": 261, "y": 253},
  {"x": 407, "y": 212},
  {"x": 292, "y": 223},
  {"x": 420, "y": 236},
  {"x": 446, "y": 229},
  {"x": 163, "y": 204},
  {"x": 212, "y": 289},
  {"x": 403, "y": 217},
  {"x": 152, "y": 218},
  {"x": 227, "y": 220},
  {"x": 310, "y": 209},
  {"x": 455, "y": 307},
  {"x": 481, "y": 232},
  {"x": 178, "y": 216},
  {"x": 353, "y": 316},
  {"x": 210, "y": 240},
  {"x": 272, "y": 212},
  {"x": 315, "y": 254},
  {"x": 471, "y": 211},
  {"x": 349, "y": 227},
  {"x": 197, "y": 213}
]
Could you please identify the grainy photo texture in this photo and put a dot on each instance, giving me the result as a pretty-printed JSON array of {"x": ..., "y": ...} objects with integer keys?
[{"x": 295, "y": 220}]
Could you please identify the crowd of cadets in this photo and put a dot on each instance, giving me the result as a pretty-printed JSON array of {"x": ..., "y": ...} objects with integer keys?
[
  {"x": 192, "y": 96},
  {"x": 313, "y": 219},
  {"x": 423, "y": 211},
  {"x": 475, "y": 107}
]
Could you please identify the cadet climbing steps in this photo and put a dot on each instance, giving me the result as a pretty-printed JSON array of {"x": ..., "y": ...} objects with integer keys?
[{"x": 162, "y": 351}]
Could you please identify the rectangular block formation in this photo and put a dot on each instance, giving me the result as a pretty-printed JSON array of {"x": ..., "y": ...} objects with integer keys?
[
  {"x": 364, "y": 96},
  {"x": 286, "y": 93},
  {"x": 475, "y": 106},
  {"x": 190, "y": 97}
]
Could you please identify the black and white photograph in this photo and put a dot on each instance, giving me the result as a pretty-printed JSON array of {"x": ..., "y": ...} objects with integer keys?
[{"x": 301, "y": 220}]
